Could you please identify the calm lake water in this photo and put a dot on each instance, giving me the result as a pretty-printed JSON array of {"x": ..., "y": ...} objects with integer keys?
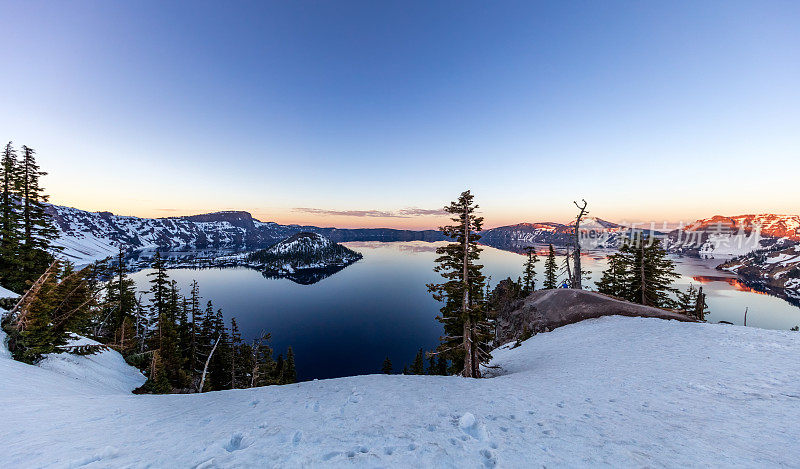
[{"x": 348, "y": 323}]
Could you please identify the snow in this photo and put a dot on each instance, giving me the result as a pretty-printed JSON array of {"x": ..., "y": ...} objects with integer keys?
[
  {"x": 105, "y": 370},
  {"x": 622, "y": 392},
  {"x": 6, "y": 293}
]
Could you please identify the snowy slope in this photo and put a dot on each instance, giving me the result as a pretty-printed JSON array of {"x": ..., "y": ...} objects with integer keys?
[
  {"x": 622, "y": 392},
  {"x": 6, "y": 293}
]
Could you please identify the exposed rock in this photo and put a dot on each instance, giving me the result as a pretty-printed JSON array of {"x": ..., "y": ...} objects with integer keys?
[{"x": 547, "y": 309}]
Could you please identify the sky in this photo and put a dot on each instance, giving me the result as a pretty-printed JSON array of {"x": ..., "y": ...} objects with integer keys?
[{"x": 367, "y": 114}]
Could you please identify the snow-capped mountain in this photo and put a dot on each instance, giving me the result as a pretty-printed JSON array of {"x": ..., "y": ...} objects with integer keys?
[
  {"x": 777, "y": 267},
  {"x": 88, "y": 236},
  {"x": 521, "y": 235},
  {"x": 769, "y": 224},
  {"x": 721, "y": 236}
]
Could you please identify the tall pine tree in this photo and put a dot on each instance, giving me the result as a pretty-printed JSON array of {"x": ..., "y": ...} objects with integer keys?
[
  {"x": 467, "y": 332},
  {"x": 38, "y": 230},
  {"x": 529, "y": 272},
  {"x": 550, "y": 270},
  {"x": 10, "y": 222}
]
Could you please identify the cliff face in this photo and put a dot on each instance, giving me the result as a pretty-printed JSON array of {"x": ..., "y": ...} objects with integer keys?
[
  {"x": 776, "y": 268},
  {"x": 545, "y": 310}
]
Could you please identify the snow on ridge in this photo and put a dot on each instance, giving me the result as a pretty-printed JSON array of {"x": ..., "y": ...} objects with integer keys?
[{"x": 612, "y": 391}]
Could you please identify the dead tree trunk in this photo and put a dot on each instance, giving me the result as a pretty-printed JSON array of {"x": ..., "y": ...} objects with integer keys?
[
  {"x": 577, "y": 278},
  {"x": 700, "y": 307},
  {"x": 208, "y": 360},
  {"x": 19, "y": 313}
]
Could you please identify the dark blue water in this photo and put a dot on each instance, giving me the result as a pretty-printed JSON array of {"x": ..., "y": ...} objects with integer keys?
[{"x": 348, "y": 323}]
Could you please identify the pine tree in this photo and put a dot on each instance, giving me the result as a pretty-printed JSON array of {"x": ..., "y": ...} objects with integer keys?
[
  {"x": 195, "y": 345},
  {"x": 529, "y": 273},
  {"x": 418, "y": 366},
  {"x": 219, "y": 369},
  {"x": 61, "y": 302},
  {"x": 236, "y": 345},
  {"x": 278, "y": 371},
  {"x": 159, "y": 286},
  {"x": 38, "y": 230},
  {"x": 640, "y": 273},
  {"x": 550, "y": 270},
  {"x": 290, "y": 373},
  {"x": 615, "y": 280},
  {"x": 687, "y": 301},
  {"x": 467, "y": 331},
  {"x": 387, "y": 366},
  {"x": 10, "y": 222},
  {"x": 263, "y": 372},
  {"x": 120, "y": 302}
]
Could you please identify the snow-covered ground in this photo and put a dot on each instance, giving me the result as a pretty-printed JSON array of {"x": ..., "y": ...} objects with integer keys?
[
  {"x": 622, "y": 392},
  {"x": 6, "y": 293}
]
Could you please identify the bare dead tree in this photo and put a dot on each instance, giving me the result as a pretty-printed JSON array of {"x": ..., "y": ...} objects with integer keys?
[
  {"x": 577, "y": 275},
  {"x": 19, "y": 313},
  {"x": 208, "y": 360}
]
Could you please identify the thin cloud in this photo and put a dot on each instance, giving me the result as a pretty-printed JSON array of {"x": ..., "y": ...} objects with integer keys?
[
  {"x": 422, "y": 212},
  {"x": 404, "y": 213}
]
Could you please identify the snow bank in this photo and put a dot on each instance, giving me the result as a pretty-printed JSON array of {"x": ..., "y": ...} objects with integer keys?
[
  {"x": 106, "y": 370},
  {"x": 623, "y": 392},
  {"x": 6, "y": 293}
]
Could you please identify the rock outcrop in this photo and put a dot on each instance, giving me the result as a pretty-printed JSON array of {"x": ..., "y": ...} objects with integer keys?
[{"x": 545, "y": 310}]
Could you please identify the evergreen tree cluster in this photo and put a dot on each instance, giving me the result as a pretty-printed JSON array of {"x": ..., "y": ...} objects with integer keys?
[
  {"x": 692, "y": 303},
  {"x": 26, "y": 230},
  {"x": 170, "y": 338},
  {"x": 640, "y": 273},
  {"x": 437, "y": 365},
  {"x": 183, "y": 347}
]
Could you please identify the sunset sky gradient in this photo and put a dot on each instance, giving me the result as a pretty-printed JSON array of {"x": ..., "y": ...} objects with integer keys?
[{"x": 378, "y": 113}]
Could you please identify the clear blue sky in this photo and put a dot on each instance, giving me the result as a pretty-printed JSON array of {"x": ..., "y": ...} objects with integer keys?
[{"x": 346, "y": 113}]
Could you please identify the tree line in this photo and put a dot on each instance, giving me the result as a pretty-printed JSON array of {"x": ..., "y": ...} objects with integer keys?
[
  {"x": 179, "y": 345},
  {"x": 640, "y": 272},
  {"x": 26, "y": 229}
]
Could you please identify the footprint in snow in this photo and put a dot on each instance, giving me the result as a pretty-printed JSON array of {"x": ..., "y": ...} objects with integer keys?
[
  {"x": 236, "y": 443},
  {"x": 298, "y": 435},
  {"x": 470, "y": 426},
  {"x": 488, "y": 458}
]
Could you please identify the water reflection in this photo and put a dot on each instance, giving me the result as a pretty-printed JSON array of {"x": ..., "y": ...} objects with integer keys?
[{"x": 379, "y": 306}]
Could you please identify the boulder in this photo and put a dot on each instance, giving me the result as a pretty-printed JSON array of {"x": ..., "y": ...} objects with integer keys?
[{"x": 544, "y": 310}]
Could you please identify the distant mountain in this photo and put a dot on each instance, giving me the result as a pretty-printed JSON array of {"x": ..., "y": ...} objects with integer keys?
[
  {"x": 519, "y": 236},
  {"x": 721, "y": 236},
  {"x": 88, "y": 236},
  {"x": 775, "y": 268},
  {"x": 300, "y": 252},
  {"x": 776, "y": 226}
]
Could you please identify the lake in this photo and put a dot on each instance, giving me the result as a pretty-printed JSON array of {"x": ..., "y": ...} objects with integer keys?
[{"x": 346, "y": 324}]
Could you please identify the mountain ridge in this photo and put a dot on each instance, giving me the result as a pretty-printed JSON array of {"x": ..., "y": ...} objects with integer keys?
[{"x": 88, "y": 236}]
